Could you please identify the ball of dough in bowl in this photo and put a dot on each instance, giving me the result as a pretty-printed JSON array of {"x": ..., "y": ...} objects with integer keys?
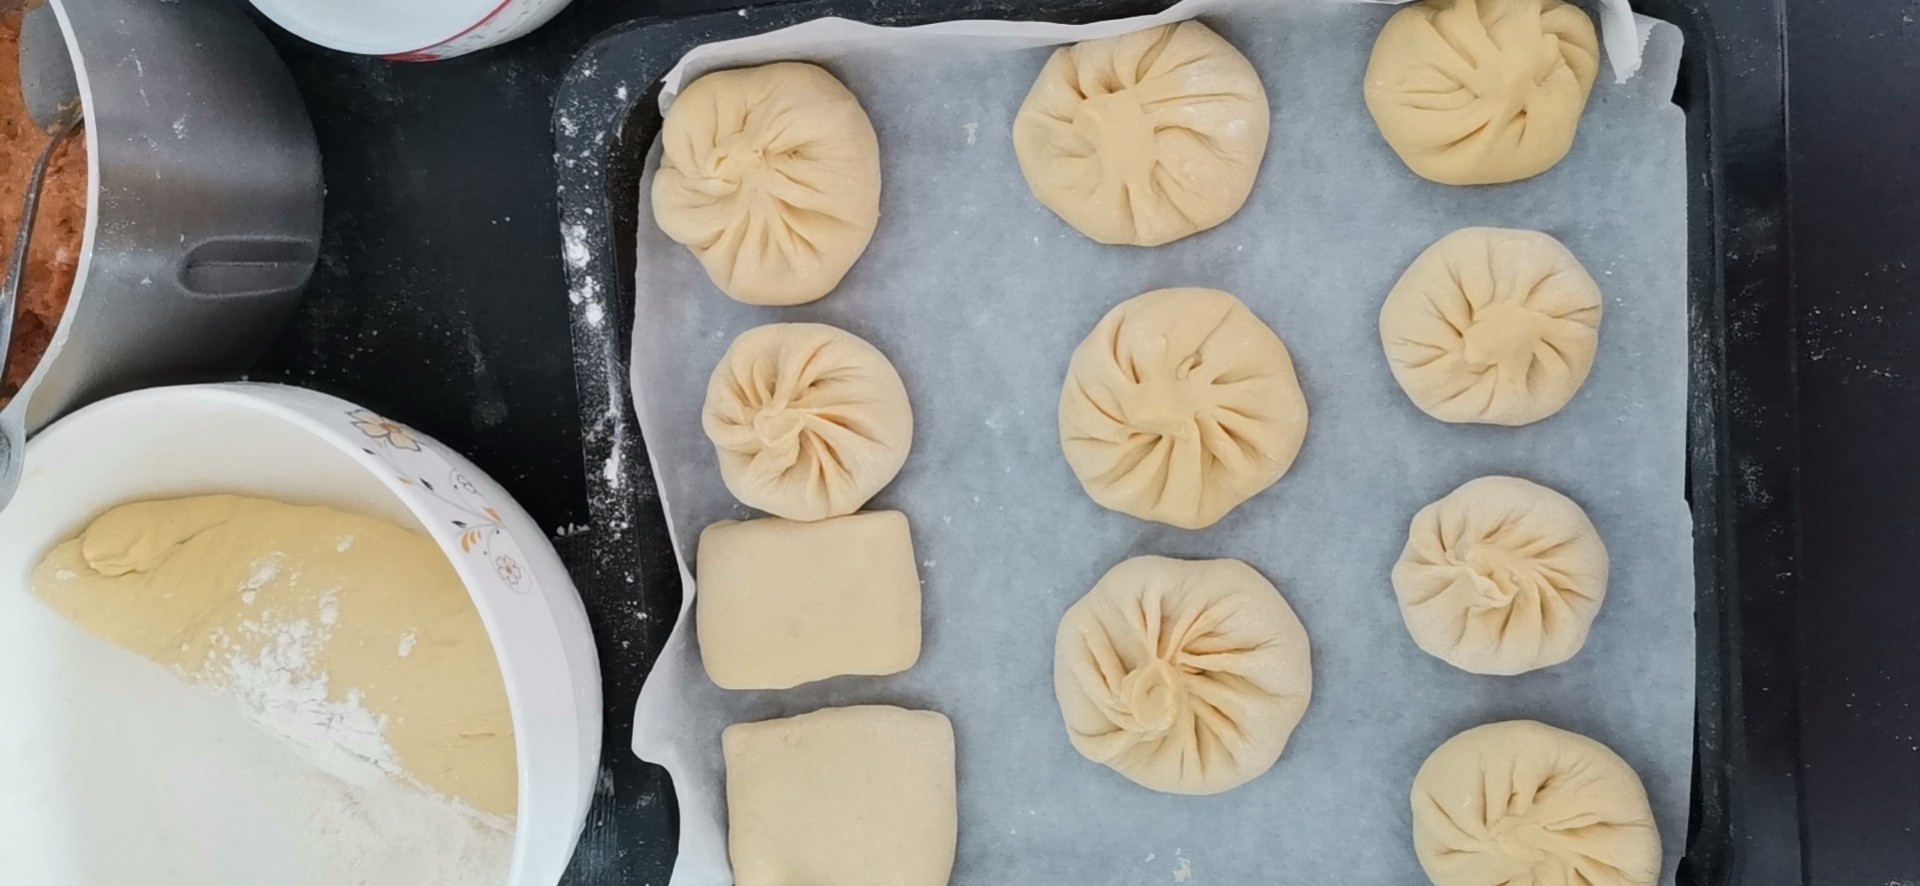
[
  {"x": 1144, "y": 138},
  {"x": 771, "y": 175},
  {"x": 1179, "y": 406},
  {"x": 1187, "y": 676},
  {"x": 1480, "y": 92},
  {"x": 1502, "y": 576},
  {"x": 1523, "y": 802},
  {"x": 1492, "y": 326},
  {"x": 809, "y": 421}
]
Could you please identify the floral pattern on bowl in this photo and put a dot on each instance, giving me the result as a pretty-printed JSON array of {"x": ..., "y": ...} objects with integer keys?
[{"x": 455, "y": 502}]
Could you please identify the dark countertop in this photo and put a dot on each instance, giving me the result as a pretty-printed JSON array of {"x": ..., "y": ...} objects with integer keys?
[
  {"x": 441, "y": 300},
  {"x": 1854, "y": 143}
]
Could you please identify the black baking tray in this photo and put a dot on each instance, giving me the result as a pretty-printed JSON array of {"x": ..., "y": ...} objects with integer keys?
[{"x": 1744, "y": 826}]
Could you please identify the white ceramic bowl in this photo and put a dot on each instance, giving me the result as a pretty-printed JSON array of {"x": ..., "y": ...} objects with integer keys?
[
  {"x": 410, "y": 30},
  {"x": 303, "y": 447}
]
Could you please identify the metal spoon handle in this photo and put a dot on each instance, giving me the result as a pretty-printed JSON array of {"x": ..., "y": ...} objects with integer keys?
[
  {"x": 16, "y": 266},
  {"x": 13, "y": 455}
]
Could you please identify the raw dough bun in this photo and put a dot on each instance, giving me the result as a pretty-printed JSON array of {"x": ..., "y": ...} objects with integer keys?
[
  {"x": 1144, "y": 138},
  {"x": 1187, "y": 676},
  {"x": 858, "y": 796},
  {"x": 1523, "y": 802},
  {"x": 771, "y": 175},
  {"x": 1179, "y": 406},
  {"x": 1480, "y": 92},
  {"x": 1492, "y": 326},
  {"x": 809, "y": 421},
  {"x": 1502, "y": 576},
  {"x": 784, "y": 603},
  {"x": 266, "y": 601}
]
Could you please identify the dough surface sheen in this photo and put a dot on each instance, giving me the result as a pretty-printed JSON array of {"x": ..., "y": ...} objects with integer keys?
[
  {"x": 1186, "y": 676},
  {"x": 1180, "y": 405},
  {"x": 771, "y": 176},
  {"x": 1523, "y": 802},
  {"x": 808, "y": 421},
  {"x": 853, "y": 796},
  {"x": 782, "y": 603},
  {"x": 1480, "y": 92},
  {"x": 1492, "y": 326},
  {"x": 1144, "y": 138},
  {"x": 295, "y": 612},
  {"x": 1501, "y": 576}
]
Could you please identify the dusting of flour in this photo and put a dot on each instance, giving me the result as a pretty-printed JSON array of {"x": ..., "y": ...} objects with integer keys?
[
  {"x": 170, "y": 784},
  {"x": 217, "y": 727},
  {"x": 273, "y": 671}
]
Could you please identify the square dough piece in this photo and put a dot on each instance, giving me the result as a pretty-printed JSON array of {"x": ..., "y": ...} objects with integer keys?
[
  {"x": 859, "y": 796},
  {"x": 782, "y": 603}
]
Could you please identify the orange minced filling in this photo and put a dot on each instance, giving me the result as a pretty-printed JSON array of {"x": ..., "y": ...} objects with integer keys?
[{"x": 55, "y": 255}]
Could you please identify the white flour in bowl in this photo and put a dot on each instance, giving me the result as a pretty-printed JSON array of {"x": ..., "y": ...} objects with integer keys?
[{"x": 141, "y": 778}]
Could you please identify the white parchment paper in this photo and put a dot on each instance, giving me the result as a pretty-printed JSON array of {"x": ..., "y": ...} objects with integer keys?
[
  {"x": 979, "y": 295},
  {"x": 1623, "y": 34}
]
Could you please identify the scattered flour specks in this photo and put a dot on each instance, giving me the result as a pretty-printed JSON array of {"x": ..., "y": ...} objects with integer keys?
[
  {"x": 973, "y": 132},
  {"x": 611, "y": 472},
  {"x": 260, "y": 573},
  {"x": 407, "y": 642},
  {"x": 1184, "y": 872},
  {"x": 283, "y": 687},
  {"x": 180, "y": 127},
  {"x": 64, "y": 575},
  {"x": 588, "y": 292},
  {"x": 345, "y": 544},
  {"x": 574, "y": 246}
]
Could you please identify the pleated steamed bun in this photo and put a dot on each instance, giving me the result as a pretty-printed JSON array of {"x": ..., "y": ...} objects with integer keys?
[
  {"x": 1144, "y": 138},
  {"x": 1480, "y": 92},
  {"x": 1179, "y": 406},
  {"x": 771, "y": 176},
  {"x": 808, "y": 421},
  {"x": 1501, "y": 576},
  {"x": 1523, "y": 802},
  {"x": 1492, "y": 326},
  {"x": 1186, "y": 676}
]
